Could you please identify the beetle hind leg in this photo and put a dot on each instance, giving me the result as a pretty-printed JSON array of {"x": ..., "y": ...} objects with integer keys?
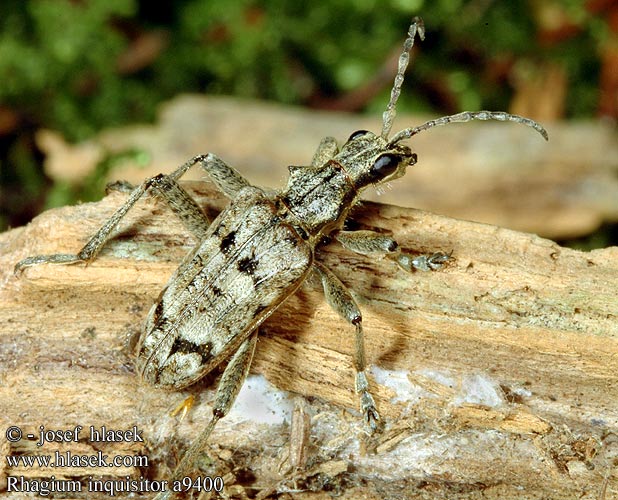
[{"x": 229, "y": 386}]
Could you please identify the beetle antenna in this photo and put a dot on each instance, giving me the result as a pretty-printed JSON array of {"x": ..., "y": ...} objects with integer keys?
[
  {"x": 467, "y": 116},
  {"x": 388, "y": 116}
]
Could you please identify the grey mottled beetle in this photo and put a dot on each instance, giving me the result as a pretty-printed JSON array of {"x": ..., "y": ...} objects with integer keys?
[{"x": 259, "y": 250}]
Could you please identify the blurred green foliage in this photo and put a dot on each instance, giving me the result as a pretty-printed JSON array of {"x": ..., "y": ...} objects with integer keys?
[{"x": 60, "y": 63}]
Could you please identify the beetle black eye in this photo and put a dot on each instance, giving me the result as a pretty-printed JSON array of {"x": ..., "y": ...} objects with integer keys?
[
  {"x": 385, "y": 165},
  {"x": 356, "y": 134}
]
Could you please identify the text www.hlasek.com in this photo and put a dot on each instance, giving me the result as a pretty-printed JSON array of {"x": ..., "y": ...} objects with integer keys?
[{"x": 68, "y": 459}]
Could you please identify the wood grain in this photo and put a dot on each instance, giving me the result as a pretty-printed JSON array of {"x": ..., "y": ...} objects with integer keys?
[{"x": 535, "y": 320}]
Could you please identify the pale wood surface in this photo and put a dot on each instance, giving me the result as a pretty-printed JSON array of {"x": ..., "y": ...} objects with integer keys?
[{"x": 536, "y": 319}]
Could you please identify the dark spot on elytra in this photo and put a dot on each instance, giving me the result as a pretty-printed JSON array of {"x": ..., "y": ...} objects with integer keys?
[
  {"x": 247, "y": 265},
  {"x": 184, "y": 346},
  {"x": 216, "y": 291},
  {"x": 227, "y": 241}
]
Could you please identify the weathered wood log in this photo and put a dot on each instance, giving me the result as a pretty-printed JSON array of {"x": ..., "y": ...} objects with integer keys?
[{"x": 498, "y": 375}]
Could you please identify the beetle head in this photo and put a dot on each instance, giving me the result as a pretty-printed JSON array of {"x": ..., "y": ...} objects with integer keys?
[
  {"x": 370, "y": 159},
  {"x": 373, "y": 159}
]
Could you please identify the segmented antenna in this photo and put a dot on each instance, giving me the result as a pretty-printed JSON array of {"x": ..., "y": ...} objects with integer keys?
[
  {"x": 388, "y": 116},
  {"x": 467, "y": 116}
]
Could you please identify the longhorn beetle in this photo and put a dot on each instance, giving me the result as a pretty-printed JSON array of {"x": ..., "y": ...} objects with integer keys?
[{"x": 260, "y": 249}]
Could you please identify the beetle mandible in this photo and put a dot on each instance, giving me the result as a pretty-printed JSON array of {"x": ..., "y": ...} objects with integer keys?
[{"x": 260, "y": 249}]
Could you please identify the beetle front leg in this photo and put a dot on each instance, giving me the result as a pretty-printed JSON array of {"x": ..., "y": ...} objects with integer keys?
[
  {"x": 327, "y": 149},
  {"x": 166, "y": 188},
  {"x": 227, "y": 178},
  {"x": 340, "y": 299},
  {"x": 372, "y": 243},
  {"x": 233, "y": 377}
]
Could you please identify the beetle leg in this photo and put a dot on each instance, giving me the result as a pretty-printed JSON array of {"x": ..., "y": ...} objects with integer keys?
[
  {"x": 372, "y": 243},
  {"x": 165, "y": 187},
  {"x": 227, "y": 178},
  {"x": 341, "y": 300},
  {"x": 231, "y": 381},
  {"x": 326, "y": 150}
]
